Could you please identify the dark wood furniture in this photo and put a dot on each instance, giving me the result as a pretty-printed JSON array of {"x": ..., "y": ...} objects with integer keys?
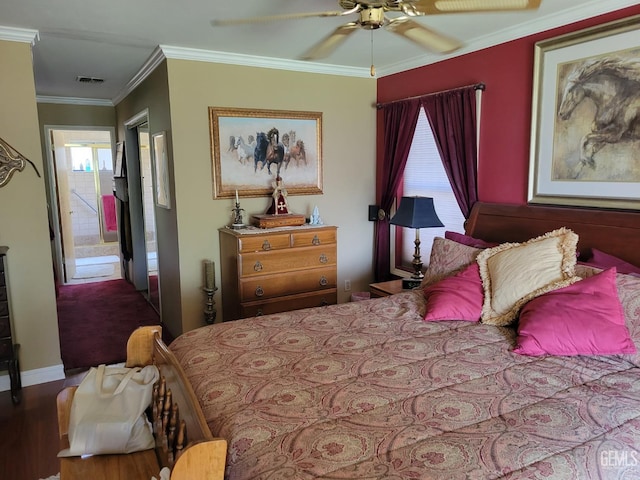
[
  {"x": 8, "y": 349},
  {"x": 189, "y": 450},
  {"x": 383, "y": 289},
  {"x": 611, "y": 231},
  {"x": 276, "y": 270}
]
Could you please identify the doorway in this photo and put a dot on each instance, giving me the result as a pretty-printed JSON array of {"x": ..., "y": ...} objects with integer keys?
[
  {"x": 145, "y": 266},
  {"x": 83, "y": 208}
]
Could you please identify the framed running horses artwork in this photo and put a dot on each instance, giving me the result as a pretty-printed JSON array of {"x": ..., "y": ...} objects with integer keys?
[
  {"x": 250, "y": 148},
  {"x": 585, "y": 128}
]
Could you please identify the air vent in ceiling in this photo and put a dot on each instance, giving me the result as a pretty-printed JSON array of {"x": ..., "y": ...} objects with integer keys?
[{"x": 83, "y": 79}]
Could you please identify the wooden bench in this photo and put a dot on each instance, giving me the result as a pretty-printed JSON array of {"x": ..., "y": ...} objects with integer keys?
[{"x": 183, "y": 440}]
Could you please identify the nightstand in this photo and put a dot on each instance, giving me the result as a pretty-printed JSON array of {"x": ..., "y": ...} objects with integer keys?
[{"x": 384, "y": 289}]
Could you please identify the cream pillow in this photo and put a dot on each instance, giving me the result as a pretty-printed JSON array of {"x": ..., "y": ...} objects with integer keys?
[
  {"x": 447, "y": 257},
  {"x": 514, "y": 273}
]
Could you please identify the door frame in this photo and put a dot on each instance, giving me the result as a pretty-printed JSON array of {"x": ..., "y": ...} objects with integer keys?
[
  {"x": 138, "y": 266},
  {"x": 54, "y": 200}
]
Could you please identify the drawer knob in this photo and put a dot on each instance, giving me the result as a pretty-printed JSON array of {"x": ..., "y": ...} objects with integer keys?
[
  {"x": 258, "y": 266},
  {"x": 323, "y": 302},
  {"x": 323, "y": 258},
  {"x": 259, "y": 291},
  {"x": 259, "y": 313},
  {"x": 266, "y": 245},
  {"x": 316, "y": 240},
  {"x": 323, "y": 281}
]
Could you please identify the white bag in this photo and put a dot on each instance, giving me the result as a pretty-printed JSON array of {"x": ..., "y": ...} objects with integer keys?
[{"x": 107, "y": 411}]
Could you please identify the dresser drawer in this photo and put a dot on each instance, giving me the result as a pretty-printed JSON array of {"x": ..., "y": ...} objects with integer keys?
[
  {"x": 293, "y": 302},
  {"x": 5, "y": 327},
  {"x": 4, "y": 308},
  {"x": 256, "y": 288},
  {"x": 309, "y": 239},
  {"x": 252, "y": 264},
  {"x": 3, "y": 294},
  {"x": 3, "y": 281},
  {"x": 6, "y": 349},
  {"x": 259, "y": 243}
]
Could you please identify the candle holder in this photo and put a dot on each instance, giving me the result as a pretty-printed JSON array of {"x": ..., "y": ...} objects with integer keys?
[
  {"x": 210, "y": 311},
  {"x": 237, "y": 217}
]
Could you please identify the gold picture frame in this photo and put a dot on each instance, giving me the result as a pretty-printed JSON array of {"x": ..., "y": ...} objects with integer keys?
[
  {"x": 582, "y": 143},
  {"x": 250, "y": 147}
]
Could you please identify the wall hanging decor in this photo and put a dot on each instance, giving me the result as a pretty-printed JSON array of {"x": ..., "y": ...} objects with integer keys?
[
  {"x": 250, "y": 148},
  {"x": 11, "y": 161},
  {"x": 584, "y": 129}
]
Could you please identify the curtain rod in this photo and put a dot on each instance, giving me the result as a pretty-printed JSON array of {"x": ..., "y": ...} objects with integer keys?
[{"x": 477, "y": 86}]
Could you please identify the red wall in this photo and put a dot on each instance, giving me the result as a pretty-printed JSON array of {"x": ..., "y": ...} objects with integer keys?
[{"x": 507, "y": 72}]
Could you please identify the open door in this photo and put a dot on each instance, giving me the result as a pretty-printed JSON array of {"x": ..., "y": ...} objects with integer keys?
[{"x": 65, "y": 211}]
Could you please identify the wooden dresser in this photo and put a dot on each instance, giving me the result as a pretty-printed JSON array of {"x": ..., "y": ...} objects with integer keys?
[
  {"x": 276, "y": 270},
  {"x": 8, "y": 349}
]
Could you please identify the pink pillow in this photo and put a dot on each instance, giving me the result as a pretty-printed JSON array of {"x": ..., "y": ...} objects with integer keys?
[
  {"x": 468, "y": 240},
  {"x": 458, "y": 297},
  {"x": 604, "y": 260},
  {"x": 585, "y": 318}
]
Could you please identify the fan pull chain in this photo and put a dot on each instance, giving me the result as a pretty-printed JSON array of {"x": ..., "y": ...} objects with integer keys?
[{"x": 373, "y": 68}]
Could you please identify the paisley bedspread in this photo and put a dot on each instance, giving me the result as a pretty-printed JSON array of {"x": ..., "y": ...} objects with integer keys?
[{"x": 368, "y": 390}]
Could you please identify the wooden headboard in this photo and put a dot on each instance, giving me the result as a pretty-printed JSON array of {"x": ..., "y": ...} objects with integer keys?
[{"x": 613, "y": 232}]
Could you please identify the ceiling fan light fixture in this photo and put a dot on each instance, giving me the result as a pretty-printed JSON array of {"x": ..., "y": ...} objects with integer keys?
[{"x": 372, "y": 17}]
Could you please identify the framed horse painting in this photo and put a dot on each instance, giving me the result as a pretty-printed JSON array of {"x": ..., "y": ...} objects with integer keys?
[
  {"x": 585, "y": 128},
  {"x": 250, "y": 148}
]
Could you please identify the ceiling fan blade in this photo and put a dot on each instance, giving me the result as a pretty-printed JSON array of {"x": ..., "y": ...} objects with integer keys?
[
  {"x": 423, "y": 36},
  {"x": 285, "y": 16},
  {"x": 328, "y": 44},
  {"x": 430, "y": 7}
]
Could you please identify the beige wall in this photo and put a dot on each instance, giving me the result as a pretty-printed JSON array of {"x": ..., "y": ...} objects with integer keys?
[
  {"x": 24, "y": 224},
  {"x": 349, "y": 164}
]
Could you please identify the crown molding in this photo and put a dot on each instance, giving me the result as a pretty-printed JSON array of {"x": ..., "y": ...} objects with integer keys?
[
  {"x": 98, "y": 102},
  {"x": 261, "y": 62},
  {"x": 575, "y": 14},
  {"x": 24, "y": 35},
  {"x": 154, "y": 60}
]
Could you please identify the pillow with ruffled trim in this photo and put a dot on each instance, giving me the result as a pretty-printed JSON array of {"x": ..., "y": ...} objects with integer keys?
[
  {"x": 514, "y": 273},
  {"x": 447, "y": 258}
]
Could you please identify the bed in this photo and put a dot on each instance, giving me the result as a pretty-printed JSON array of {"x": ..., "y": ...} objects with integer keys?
[{"x": 370, "y": 390}]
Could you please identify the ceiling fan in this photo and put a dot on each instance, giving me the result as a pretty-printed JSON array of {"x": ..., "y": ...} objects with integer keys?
[{"x": 372, "y": 14}]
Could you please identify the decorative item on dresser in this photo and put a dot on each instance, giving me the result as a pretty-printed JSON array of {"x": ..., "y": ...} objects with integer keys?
[
  {"x": 276, "y": 270},
  {"x": 8, "y": 349}
]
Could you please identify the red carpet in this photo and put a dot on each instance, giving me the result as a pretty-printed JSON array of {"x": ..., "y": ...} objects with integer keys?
[{"x": 96, "y": 319}]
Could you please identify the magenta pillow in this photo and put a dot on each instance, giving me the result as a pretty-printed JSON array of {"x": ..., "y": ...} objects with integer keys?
[
  {"x": 604, "y": 260},
  {"x": 585, "y": 318},
  {"x": 458, "y": 297},
  {"x": 468, "y": 240}
]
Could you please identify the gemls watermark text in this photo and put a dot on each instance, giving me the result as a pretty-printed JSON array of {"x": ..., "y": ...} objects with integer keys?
[{"x": 619, "y": 458}]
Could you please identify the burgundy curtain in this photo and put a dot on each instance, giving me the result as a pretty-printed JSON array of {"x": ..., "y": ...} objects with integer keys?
[
  {"x": 452, "y": 116},
  {"x": 400, "y": 119}
]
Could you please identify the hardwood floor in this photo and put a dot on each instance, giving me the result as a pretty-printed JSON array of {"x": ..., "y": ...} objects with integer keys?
[{"x": 29, "y": 432}]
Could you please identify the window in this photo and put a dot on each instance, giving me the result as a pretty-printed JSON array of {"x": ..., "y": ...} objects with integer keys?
[{"x": 425, "y": 176}]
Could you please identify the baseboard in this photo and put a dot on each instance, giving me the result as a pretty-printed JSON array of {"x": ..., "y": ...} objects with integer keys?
[{"x": 34, "y": 377}]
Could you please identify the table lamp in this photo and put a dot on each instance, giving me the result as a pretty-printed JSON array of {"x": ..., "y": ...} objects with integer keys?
[{"x": 416, "y": 212}]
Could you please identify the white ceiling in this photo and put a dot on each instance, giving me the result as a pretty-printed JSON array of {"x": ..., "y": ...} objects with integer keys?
[{"x": 118, "y": 40}]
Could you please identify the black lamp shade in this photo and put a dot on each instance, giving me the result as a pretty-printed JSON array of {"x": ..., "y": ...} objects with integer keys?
[{"x": 416, "y": 212}]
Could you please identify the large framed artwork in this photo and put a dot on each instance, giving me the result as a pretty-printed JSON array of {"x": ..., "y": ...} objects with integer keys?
[
  {"x": 250, "y": 148},
  {"x": 585, "y": 129}
]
